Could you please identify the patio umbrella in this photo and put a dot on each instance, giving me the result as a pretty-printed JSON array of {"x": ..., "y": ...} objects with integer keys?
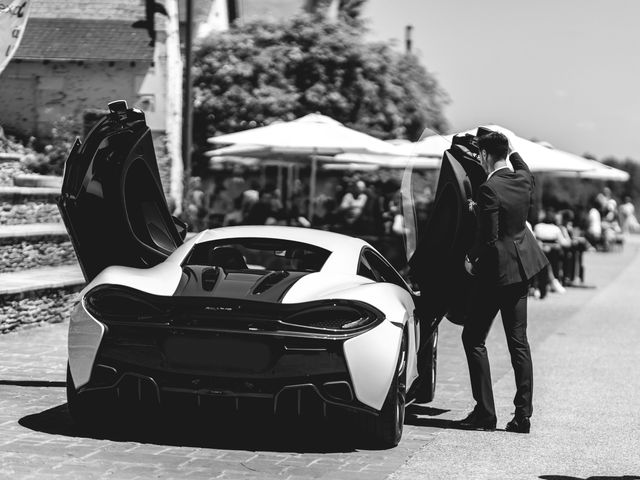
[
  {"x": 357, "y": 167},
  {"x": 390, "y": 161},
  {"x": 306, "y": 137},
  {"x": 312, "y": 134},
  {"x": 605, "y": 172},
  {"x": 538, "y": 157},
  {"x": 594, "y": 170}
]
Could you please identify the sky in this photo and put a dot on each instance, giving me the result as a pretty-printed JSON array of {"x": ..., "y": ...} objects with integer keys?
[{"x": 563, "y": 71}]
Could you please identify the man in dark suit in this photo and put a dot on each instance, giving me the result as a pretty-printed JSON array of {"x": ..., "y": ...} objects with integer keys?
[{"x": 504, "y": 257}]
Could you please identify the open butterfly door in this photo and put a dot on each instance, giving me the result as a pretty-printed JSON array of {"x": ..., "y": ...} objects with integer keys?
[
  {"x": 112, "y": 201},
  {"x": 436, "y": 247}
]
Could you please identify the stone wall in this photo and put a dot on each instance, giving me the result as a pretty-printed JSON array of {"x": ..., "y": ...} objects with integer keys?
[
  {"x": 10, "y": 169},
  {"x": 30, "y": 212},
  {"x": 35, "y": 94},
  {"x": 35, "y": 252},
  {"x": 20, "y": 205},
  {"x": 32, "y": 308}
]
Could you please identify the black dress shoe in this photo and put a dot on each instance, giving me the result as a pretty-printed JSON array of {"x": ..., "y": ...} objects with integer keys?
[
  {"x": 519, "y": 425},
  {"x": 474, "y": 421}
]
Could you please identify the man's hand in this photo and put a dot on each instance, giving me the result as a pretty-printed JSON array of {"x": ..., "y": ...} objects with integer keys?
[
  {"x": 511, "y": 149},
  {"x": 469, "y": 266}
]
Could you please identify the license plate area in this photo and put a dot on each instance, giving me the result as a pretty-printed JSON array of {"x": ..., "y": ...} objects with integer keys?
[{"x": 214, "y": 353}]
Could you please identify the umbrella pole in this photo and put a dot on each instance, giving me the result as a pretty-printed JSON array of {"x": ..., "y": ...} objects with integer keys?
[
  {"x": 279, "y": 181},
  {"x": 263, "y": 176},
  {"x": 312, "y": 188},
  {"x": 290, "y": 188},
  {"x": 539, "y": 190}
]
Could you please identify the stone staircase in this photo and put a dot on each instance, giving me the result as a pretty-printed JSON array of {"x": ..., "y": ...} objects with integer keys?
[{"x": 39, "y": 273}]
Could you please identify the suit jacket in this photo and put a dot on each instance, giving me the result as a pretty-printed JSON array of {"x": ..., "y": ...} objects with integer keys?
[{"x": 505, "y": 251}]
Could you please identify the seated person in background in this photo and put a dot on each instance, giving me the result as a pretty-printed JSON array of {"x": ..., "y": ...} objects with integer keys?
[
  {"x": 267, "y": 210},
  {"x": 573, "y": 265},
  {"x": 552, "y": 241},
  {"x": 234, "y": 216},
  {"x": 609, "y": 207},
  {"x": 593, "y": 233},
  {"x": 353, "y": 203},
  {"x": 627, "y": 214},
  {"x": 611, "y": 230}
]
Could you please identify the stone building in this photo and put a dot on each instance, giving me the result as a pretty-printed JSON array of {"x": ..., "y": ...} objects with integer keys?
[{"x": 76, "y": 56}]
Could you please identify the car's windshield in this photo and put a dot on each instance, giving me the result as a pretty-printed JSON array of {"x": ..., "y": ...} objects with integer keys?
[{"x": 259, "y": 254}]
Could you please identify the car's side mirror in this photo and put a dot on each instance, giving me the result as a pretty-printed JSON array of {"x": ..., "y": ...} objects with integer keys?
[{"x": 181, "y": 226}]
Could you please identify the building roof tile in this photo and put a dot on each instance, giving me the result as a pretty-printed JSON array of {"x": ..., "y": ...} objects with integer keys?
[
  {"x": 83, "y": 39},
  {"x": 89, "y": 9}
]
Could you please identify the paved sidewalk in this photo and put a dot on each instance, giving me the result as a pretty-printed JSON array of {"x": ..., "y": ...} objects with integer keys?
[
  {"x": 7, "y": 191},
  {"x": 41, "y": 278},
  {"x": 32, "y": 230},
  {"x": 586, "y": 397}
]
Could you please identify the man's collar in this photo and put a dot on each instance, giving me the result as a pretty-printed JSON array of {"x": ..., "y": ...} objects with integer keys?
[{"x": 496, "y": 170}]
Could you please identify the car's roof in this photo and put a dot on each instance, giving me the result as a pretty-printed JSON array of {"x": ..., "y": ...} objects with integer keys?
[
  {"x": 345, "y": 250},
  {"x": 328, "y": 240}
]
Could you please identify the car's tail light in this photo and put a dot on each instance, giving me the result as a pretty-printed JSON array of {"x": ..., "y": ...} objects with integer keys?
[
  {"x": 335, "y": 318},
  {"x": 120, "y": 304},
  {"x": 114, "y": 303}
]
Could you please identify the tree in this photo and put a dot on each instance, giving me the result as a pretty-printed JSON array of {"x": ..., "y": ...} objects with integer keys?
[
  {"x": 262, "y": 72},
  {"x": 349, "y": 11}
]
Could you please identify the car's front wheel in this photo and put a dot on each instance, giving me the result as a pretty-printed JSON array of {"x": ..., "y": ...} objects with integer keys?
[{"x": 386, "y": 428}]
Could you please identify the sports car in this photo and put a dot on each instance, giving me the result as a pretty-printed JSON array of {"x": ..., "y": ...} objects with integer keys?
[{"x": 280, "y": 319}]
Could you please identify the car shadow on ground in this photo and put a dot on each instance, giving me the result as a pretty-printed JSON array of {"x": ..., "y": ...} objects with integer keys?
[
  {"x": 229, "y": 432},
  {"x": 32, "y": 383},
  {"x": 598, "y": 477},
  {"x": 423, "y": 416}
]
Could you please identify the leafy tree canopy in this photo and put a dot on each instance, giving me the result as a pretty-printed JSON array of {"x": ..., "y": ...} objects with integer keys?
[
  {"x": 261, "y": 72},
  {"x": 349, "y": 11}
]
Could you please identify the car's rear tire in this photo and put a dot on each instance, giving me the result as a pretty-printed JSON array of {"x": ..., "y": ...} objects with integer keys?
[
  {"x": 428, "y": 384},
  {"x": 88, "y": 411},
  {"x": 385, "y": 429}
]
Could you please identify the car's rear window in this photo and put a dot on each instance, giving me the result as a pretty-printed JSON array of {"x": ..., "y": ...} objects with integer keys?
[{"x": 260, "y": 254}]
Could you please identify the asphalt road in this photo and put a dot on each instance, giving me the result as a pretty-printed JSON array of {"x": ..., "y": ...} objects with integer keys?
[{"x": 585, "y": 424}]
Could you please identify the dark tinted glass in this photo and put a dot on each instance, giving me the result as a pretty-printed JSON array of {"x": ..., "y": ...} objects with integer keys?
[
  {"x": 384, "y": 271},
  {"x": 259, "y": 254}
]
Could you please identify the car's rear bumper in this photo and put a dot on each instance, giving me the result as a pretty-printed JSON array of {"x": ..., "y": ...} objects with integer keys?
[
  {"x": 131, "y": 384},
  {"x": 161, "y": 364}
]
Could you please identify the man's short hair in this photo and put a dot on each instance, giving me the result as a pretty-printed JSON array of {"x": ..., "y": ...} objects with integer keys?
[{"x": 495, "y": 143}]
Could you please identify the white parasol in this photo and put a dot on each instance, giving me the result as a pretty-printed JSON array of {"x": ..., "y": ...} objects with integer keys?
[{"x": 304, "y": 138}]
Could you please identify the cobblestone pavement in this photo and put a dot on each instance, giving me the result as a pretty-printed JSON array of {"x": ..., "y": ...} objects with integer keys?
[{"x": 38, "y": 440}]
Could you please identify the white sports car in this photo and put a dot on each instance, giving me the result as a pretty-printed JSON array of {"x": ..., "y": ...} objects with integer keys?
[{"x": 285, "y": 318}]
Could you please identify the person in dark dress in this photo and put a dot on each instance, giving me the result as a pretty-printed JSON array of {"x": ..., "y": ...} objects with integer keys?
[{"x": 504, "y": 257}]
